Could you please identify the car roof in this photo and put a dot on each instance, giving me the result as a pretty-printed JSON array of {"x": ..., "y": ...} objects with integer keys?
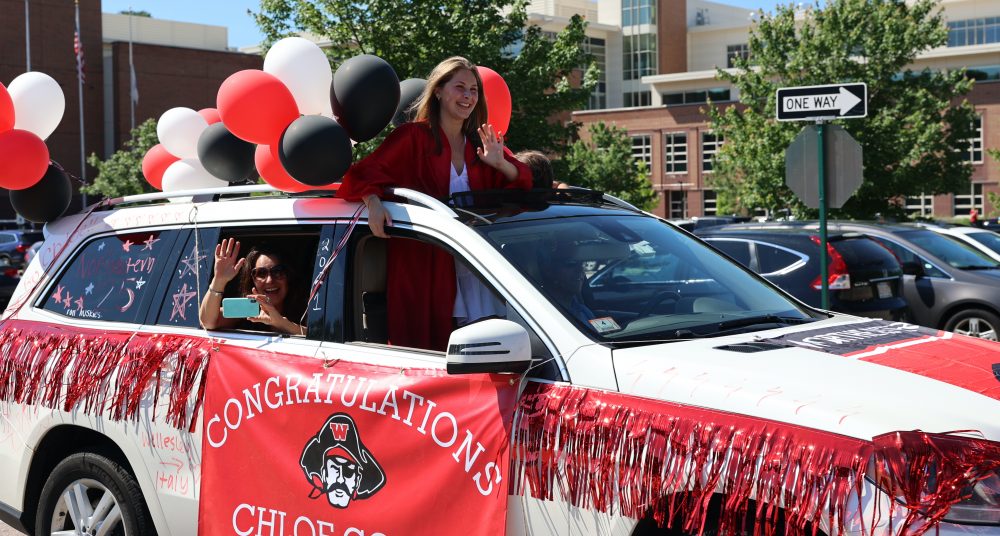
[{"x": 813, "y": 226}]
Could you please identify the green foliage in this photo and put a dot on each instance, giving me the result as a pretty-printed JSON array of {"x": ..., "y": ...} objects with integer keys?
[
  {"x": 993, "y": 197},
  {"x": 136, "y": 13},
  {"x": 414, "y": 36},
  {"x": 914, "y": 138},
  {"x": 605, "y": 163},
  {"x": 121, "y": 173}
]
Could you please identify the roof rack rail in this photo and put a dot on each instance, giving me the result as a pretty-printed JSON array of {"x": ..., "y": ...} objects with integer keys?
[
  {"x": 620, "y": 203},
  {"x": 424, "y": 200},
  {"x": 200, "y": 195}
]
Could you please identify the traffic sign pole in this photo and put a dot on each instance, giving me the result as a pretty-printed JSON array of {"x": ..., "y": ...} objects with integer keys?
[{"x": 823, "y": 270}]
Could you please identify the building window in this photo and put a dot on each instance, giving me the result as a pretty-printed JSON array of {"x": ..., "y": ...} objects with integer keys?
[
  {"x": 921, "y": 205},
  {"x": 599, "y": 96},
  {"x": 718, "y": 94},
  {"x": 965, "y": 202},
  {"x": 639, "y": 55},
  {"x": 637, "y": 98},
  {"x": 708, "y": 205},
  {"x": 675, "y": 152},
  {"x": 636, "y": 12},
  {"x": 710, "y": 144},
  {"x": 970, "y": 32},
  {"x": 736, "y": 51},
  {"x": 983, "y": 73},
  {"x": 678, "y": 204},
  {"x": 642, "y": 150},
  {"x": 976, "y": 142}
]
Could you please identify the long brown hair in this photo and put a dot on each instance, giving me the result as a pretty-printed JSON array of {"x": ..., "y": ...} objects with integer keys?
[{"x": 429, "y": 107}]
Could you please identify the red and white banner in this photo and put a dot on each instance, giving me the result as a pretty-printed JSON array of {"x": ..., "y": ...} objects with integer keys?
[{"x": 301, "y": 446}]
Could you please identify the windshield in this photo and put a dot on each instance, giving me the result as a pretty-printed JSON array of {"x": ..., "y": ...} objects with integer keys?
[
  {"x": 951, "y": 251},
  {"x": 988, "y": 239},
  {"x": 635, "y": 278}
]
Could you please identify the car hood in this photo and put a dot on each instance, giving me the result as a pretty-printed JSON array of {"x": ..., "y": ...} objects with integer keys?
[{"x": 858, "y": 378}]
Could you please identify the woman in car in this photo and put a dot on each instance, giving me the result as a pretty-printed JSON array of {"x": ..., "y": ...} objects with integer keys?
[
  {"x": 265, "y": 277},
  {"x": 448, "y": 148}
]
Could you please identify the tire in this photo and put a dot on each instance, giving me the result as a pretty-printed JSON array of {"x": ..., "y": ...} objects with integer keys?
[
  {"x": 102, "y": 489},
  {"x": 975, "y": 323}
]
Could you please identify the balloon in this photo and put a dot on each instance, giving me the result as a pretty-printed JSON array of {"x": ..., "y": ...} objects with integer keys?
[
  {"x": 364, "y": 94},
  {"x": 23, "y": 159},
  {"x": 269, "y": 166},
  {"x": 409, "y": 91},
  {"x": 179, "y": 129},
  {"x": 188, "y": 174},
  {"x": 256, "y": 106},
  {"x": 6, "y": 110},
  {"x": 211, "y": 115},
  {"x": 155, "y": 163},
  {"x": 225, "y": 156},
  {"x": 497, "y": 98},
  {"x": 39, "y": 103},
  {"x": 47, "y": 199},
  {"x": 302, "y": 66},
  {"x": 315, "y": 150}
]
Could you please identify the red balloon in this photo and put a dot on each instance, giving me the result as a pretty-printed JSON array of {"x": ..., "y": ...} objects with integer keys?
[
  {"x": 24, "y": 159},
  {"x": 155, "y": 163},
  {"x": 255, "y": 106},
  {"x": 210, "y": 114},
  {"x": 497, "y": 96},
  {"x": 6, "y": 110},
  {"x": 273, "y": 173}
]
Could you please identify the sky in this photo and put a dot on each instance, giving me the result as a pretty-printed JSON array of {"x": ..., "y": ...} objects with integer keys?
[{"x": 242, "y": 29}]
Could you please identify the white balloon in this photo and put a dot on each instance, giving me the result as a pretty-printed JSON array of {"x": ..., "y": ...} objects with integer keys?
[
  {"x": 188, "y": 174},
  {"x": 304, "y": 69},
  {"x": 39, "y": 103},
  {"x": 179, "y": 129}
]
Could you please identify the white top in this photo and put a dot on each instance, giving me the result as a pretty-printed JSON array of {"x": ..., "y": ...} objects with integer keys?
[{"x": 473, "y": 300}]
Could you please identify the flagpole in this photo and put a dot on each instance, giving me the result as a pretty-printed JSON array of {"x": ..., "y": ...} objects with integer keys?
[
  {"x": 27, "y": 35},
  {"x": 131, "y": 70},
  {"x": 79, "y": 87}
]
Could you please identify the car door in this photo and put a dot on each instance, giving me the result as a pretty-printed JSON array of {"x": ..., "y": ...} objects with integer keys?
[{"x": 923, "y": 293}]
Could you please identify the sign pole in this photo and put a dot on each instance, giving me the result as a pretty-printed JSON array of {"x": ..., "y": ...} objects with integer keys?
[{"x": 824, "y": 272}]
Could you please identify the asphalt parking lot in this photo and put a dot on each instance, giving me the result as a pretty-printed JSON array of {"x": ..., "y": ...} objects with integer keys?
[{"x": 7, "y": 531}]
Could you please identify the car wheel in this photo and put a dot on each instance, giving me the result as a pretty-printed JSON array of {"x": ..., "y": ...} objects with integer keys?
[
  {"x": 88, "y": 493},
  {"x": 975, "y": 323}
]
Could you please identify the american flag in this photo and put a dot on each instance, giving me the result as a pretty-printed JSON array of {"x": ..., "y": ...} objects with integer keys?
[{"x": 78, "y": 49}]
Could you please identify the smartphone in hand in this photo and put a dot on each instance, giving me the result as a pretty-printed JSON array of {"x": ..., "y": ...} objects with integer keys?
[{"x": 240, "y": 307}]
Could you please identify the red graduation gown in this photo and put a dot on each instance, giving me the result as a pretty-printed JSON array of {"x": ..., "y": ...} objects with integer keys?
[{"x": 420, "y": 291}]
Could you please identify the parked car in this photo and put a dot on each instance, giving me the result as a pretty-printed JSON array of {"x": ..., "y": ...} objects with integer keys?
[
  {"x": 633, "y": 377},
  {"x": 14, "y": 243},
  {"x": 864, "y": 278},
  {"x": 32, "y": 251},
  {"x": 704, "y": 222},
  {"x": 9, "y": 279},
  {"x": 985, "y": 241}
]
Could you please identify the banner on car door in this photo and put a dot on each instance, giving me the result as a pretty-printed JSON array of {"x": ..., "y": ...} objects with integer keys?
[{"x": 307, "y": 447}]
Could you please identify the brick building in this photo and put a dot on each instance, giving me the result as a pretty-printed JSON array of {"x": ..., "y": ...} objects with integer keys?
[{"x": 176, "y": 64}]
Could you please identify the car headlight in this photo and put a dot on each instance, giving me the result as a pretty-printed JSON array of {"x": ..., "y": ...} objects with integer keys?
[{"x": 981, "y": 505}]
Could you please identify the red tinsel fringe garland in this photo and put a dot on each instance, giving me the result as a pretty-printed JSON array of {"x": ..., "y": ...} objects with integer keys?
[
  {"x": 97, "y": 372},
  {"x": 636, "y": 457}
]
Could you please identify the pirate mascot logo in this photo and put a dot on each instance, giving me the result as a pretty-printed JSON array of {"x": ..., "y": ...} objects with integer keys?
[{"x": 338, "y": 465}]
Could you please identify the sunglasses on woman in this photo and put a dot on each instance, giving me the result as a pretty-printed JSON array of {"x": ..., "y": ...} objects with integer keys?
[{"x": 278, "y": 271}]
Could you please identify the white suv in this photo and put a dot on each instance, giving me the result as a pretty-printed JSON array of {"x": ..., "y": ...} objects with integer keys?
[{"x": 635, "y": 382}]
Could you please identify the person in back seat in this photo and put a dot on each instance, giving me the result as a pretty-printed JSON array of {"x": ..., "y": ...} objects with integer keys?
[
  {"x": 265, "y": 277},
  {"x": 448, "y": 148}
]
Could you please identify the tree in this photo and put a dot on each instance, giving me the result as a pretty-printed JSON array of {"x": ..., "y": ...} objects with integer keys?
[
  {"x": 917, "y": 131},
  {"x": 136, "y": 13},
  {"x": 605, "y": 163},
  {"x": 414, "y": 36},
  {"x": 121, "y": 173}
]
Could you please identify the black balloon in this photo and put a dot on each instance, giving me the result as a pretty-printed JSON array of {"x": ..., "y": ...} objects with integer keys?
[
  {"x": 47, "y": 199},
  {"x": 364, "y": 95},
  {"x": 224, "y": 155},
  {"x": 315, "y": 150},
  {"x": 409, "y": 91}
]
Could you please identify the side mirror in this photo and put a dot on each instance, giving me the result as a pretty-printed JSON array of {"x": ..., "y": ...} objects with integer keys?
[
  {"x": 492, "y": 346},
  {"x": 914, "y": 268}
]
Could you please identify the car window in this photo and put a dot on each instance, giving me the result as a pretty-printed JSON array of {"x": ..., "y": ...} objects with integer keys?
[
  {"x": 737, "y": 249},
  {"x": 774, "y": 259},
  {"x": 906, "y": 255},
  {"x": 988, "y": 239},
  {"x": 188, "y": 280},
  {"x": 955, "y": 253},
  {"x": 112, "y": 278},
  {"x": 7, "y": 238}
]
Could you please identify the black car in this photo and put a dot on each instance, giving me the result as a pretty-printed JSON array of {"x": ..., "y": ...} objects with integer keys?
[
  {"x": 14, "y": 243},
  {"x": 864, "y": 277}
]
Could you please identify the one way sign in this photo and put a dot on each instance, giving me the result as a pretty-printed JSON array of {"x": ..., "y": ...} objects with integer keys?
[{"x": 835, "y": 101}]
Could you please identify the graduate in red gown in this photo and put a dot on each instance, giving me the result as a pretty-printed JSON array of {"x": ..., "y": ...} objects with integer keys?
[{"x": 449, "y": 147}]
